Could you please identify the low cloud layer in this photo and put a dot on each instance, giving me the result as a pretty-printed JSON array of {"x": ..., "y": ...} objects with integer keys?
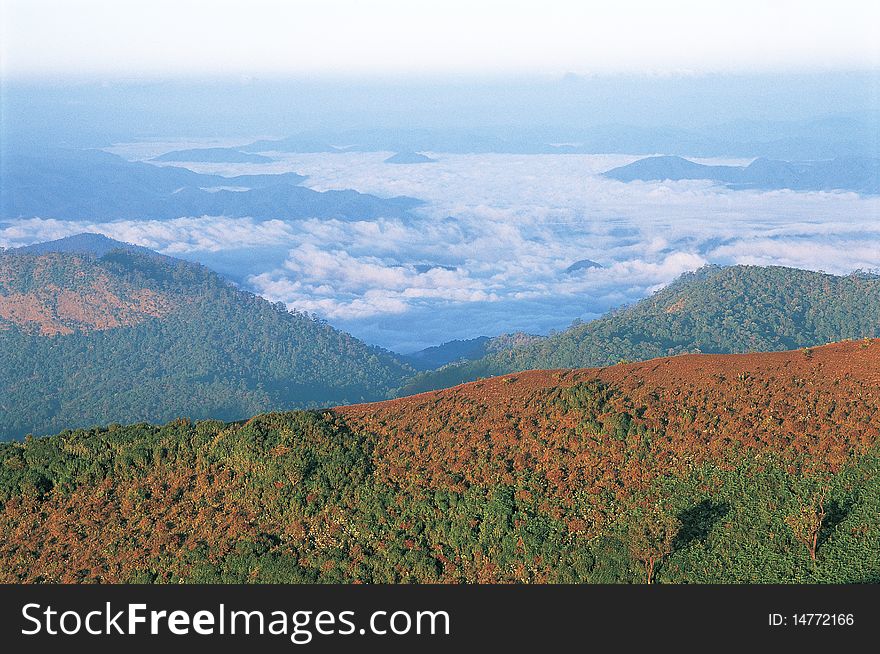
[
  {"x": 488, "y": 252},
  {"x": 172, "y": 237}
]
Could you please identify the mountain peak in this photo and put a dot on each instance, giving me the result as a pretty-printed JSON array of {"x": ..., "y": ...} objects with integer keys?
[
  {"x": 409, "y": 158},
  {"x": 582, "y": 264},
  {"x": 88, "y": 243}
]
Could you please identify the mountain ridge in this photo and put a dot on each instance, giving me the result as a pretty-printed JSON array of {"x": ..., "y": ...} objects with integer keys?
[
  {"x": 860, "y": 174},
  {"x": 409, "y": 158},
  {"x": 83, "y": 243},
  {"x": 466, "y": 349},
  {"x": 715, "y": 309}
]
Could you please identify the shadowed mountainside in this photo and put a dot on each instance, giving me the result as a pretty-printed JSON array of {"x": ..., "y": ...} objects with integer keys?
[
  {"x": 860, "y": 174},
  {"x": 409, "y": 158},
  {"x": 86, "y": 243}
]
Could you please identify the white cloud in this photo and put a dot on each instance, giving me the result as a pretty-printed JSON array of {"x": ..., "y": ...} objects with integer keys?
[
  {"x": 336, "y": 284},
  {"x": 177, "y": 236}
]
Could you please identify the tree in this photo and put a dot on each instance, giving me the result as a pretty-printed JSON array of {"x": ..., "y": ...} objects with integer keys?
[
  {"x": 806, "y": 523},
  {"x": 651, "y": 533}
]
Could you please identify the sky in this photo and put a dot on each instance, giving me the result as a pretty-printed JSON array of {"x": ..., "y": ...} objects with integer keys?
[{"x": 350, "y": 37}]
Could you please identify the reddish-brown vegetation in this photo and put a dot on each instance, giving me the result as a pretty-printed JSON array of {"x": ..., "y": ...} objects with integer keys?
[
  {"x": 825, "y": 405},
  {"x": 102, "y": 533},
  {"x": 90, "y": 300},
  {"x": 744, "y": 468}
]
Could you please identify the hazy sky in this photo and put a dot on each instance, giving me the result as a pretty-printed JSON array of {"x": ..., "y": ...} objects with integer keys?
[{"x": 266, "y": 37}]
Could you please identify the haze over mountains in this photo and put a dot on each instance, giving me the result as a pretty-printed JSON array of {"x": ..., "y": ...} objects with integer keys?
[
  {"x": 850, "y": 174},
  {"x": 292, "y": 297},
  {"x": 821, "y": 138}
]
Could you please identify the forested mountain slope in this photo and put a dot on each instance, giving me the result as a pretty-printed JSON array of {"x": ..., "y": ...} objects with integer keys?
[
  {"x": 754, "y": 468},
  {"x": 128, "y": 336},
  {"x": 715, "y": 309}
]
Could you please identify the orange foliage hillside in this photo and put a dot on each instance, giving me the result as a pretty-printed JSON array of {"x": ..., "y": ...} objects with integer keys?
[
  {"x": 544, "y": 476},
  {"x": 56, "y": 293},
  {"x": 820, "y": 406}
]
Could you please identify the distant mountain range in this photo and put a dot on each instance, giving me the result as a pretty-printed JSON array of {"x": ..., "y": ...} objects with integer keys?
[
  {"x": 848, "y": 174},
  {"x": 213, "y": 155},
  {"x": 95, "y": 185},
  {"x": 409, "y": 158},
  {"x": 104, "y": 335},
  {"x": 466, "y": 350},
  {"x": 823, "y": 138},
  {"x": 716, "y": 309}
]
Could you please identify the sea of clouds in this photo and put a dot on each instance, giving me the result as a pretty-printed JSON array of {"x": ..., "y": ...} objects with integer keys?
[{"x": 488, "y": 252}]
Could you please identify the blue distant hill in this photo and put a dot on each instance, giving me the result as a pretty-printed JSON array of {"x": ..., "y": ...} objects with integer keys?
[
  {"x": 409, "y": 158},
  {"x": 213, "y": 155},
  {"x": 466, "y": 350},
  {"x": 96, "y": 185},
  {"x": 859, "y": 174},
  {"x": 440, "y": 355},
  {"x": 583, "y": 264}
]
